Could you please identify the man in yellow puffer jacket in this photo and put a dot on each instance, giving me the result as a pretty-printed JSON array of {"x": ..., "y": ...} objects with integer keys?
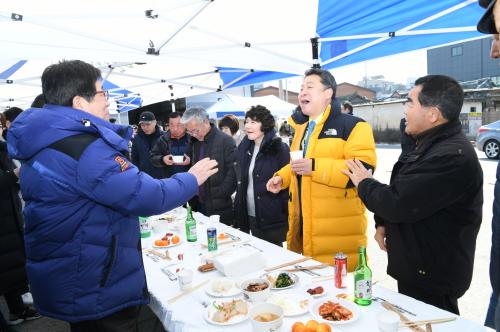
[{"x": 325, "y": 214}]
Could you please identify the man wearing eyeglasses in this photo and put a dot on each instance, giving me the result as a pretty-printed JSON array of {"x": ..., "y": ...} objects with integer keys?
[
  {"x": 83, "y": 198},
  {"x": 214, "y": 196}
]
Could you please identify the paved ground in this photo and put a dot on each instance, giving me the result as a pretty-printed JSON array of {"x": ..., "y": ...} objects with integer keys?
[
  {"x": 472, "y": 305},
  {"x": 147, "y": 322}
]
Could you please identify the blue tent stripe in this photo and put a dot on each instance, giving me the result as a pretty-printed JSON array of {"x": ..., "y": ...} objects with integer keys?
[
  {"x": 254, "y": 78},
  {"x": 124, "y": 102},
  {"x": 338, "y": 18},
  {"x": 384, "y": 16},
  {"x": 220, "y": 115},
  {"x": 8, "y": 72}
]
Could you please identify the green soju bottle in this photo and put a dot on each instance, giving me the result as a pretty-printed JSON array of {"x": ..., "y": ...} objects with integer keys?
[
  {"x": 191, "y": 234},
  {"x": 362, "y": 280},
  {"x": 145, "y": 227}
]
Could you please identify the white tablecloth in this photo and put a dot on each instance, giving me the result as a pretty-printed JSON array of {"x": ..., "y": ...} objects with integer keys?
[{"x": 186, "y": 314}]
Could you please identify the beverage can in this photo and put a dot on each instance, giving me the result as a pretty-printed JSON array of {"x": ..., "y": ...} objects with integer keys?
[
  {"x": 212, "y": 239},
  {"x": 340, "y": 270}
]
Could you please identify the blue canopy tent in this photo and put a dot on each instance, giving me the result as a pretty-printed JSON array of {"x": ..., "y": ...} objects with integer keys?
[{"x": 350, "y": 31}]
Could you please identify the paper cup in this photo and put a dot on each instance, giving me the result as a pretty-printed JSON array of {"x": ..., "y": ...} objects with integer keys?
[
  {"x": 178, "y": 159},
  {"x": 185, "y": 277},
  {"x": 215, "y": 218},
  {"x": 387, "y": 321},
  {"x": 297, "y": 154}
]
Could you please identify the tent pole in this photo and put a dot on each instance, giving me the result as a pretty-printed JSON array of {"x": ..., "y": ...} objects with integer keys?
[
  {"x": 237, "y": 79},
  {"x": 184, "y": 25},
  {"x": 315, "y": 57}
]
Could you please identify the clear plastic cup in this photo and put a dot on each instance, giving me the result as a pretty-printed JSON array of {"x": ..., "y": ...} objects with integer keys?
[{"x": 185, "y": 277}]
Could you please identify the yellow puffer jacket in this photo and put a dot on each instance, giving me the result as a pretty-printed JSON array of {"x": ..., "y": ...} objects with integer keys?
[{"x": 333, "y": 215}]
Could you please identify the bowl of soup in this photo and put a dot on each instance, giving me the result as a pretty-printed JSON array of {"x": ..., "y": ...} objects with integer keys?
[{"x": 266, "y": 317}]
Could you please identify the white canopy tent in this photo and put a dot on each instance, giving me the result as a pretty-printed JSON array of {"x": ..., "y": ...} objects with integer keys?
[
  {"x": 238, "y": 105},
  {"x": 164, "y": 50}
]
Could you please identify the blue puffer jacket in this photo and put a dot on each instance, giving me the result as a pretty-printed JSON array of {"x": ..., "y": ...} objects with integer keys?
[{"x": 83, "y": 199}]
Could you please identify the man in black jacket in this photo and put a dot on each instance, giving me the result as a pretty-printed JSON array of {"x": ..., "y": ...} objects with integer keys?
[
  {"x": 13, "y": 279},
  {"x": 214, "y": 196},
  {"x": 143, "y": 142},
  {"x": 172, "y": 144},
  {"x": 429, "y": 216},
  {"x": 490, "y": 24}
]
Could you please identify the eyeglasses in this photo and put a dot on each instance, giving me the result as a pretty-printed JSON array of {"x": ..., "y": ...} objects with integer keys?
[
  {"x": 105, "y": 93},
  {"x": 193, "y": 132}
]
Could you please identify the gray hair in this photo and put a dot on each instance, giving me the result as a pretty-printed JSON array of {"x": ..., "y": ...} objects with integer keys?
[{"x": 197, "y": 113}]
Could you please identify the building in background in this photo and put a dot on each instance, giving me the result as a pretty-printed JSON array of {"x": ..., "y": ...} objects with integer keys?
[
  {"x": 380, "y": 85},
  {"x": 470, "y": 63},
  {"x": 288, "y": 96},
  {"x": 465, "y": 61},
  {"x": 354, "y": 93}
]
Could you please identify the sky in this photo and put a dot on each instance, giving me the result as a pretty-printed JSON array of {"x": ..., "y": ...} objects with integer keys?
[{"x": 395, "y": 68}]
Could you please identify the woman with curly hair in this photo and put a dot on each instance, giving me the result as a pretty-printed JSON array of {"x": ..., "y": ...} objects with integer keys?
[{"x": 260, "y": 154}]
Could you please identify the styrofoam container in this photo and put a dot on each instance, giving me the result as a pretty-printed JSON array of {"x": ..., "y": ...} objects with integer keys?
[{"x": 239, "y": 261}]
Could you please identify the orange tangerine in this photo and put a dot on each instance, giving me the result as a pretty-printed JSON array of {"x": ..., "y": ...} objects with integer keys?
[
  {"x": 299, "y": 327},
  {"x": 312, "y": 325},
  {"x": 175, "y": 239},
  {"x": 324, "y": 327}
]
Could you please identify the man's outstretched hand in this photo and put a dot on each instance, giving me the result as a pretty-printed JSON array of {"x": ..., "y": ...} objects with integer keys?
[{"x": 203, "y": 169}]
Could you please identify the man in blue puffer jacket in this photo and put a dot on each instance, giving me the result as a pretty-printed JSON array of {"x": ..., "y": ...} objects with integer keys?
[{"x": 83, "y": 198}]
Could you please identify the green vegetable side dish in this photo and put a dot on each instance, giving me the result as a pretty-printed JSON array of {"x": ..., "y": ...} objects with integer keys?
[{"x": 283, "y": 280}]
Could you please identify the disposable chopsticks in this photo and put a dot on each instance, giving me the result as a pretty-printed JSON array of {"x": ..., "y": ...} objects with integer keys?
[
  {"x": 303, "y": 259},
  {"x": 312, "y": 267},
  {"x": 428, "y": 321},
  {"x": 403, "y": 318},
  {"x": 187, "y": 291}
]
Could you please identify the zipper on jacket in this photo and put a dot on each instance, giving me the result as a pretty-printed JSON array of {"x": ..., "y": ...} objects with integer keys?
[{"x": 109, "y": 267}]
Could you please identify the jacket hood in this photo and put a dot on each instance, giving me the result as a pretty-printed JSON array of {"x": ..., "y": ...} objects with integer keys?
[
  {"x": 270, "y": 143},
  {"x": 38, "y": 128}
]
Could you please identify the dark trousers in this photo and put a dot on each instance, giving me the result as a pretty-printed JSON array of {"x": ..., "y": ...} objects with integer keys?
[
  {"x": 275, "y": 235},
  {"x": 490, "y": 314},
  {"x": 14, "y": 302},
  {"x": 445, "y": 302},
  {"x": 122, "y": 321}
]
